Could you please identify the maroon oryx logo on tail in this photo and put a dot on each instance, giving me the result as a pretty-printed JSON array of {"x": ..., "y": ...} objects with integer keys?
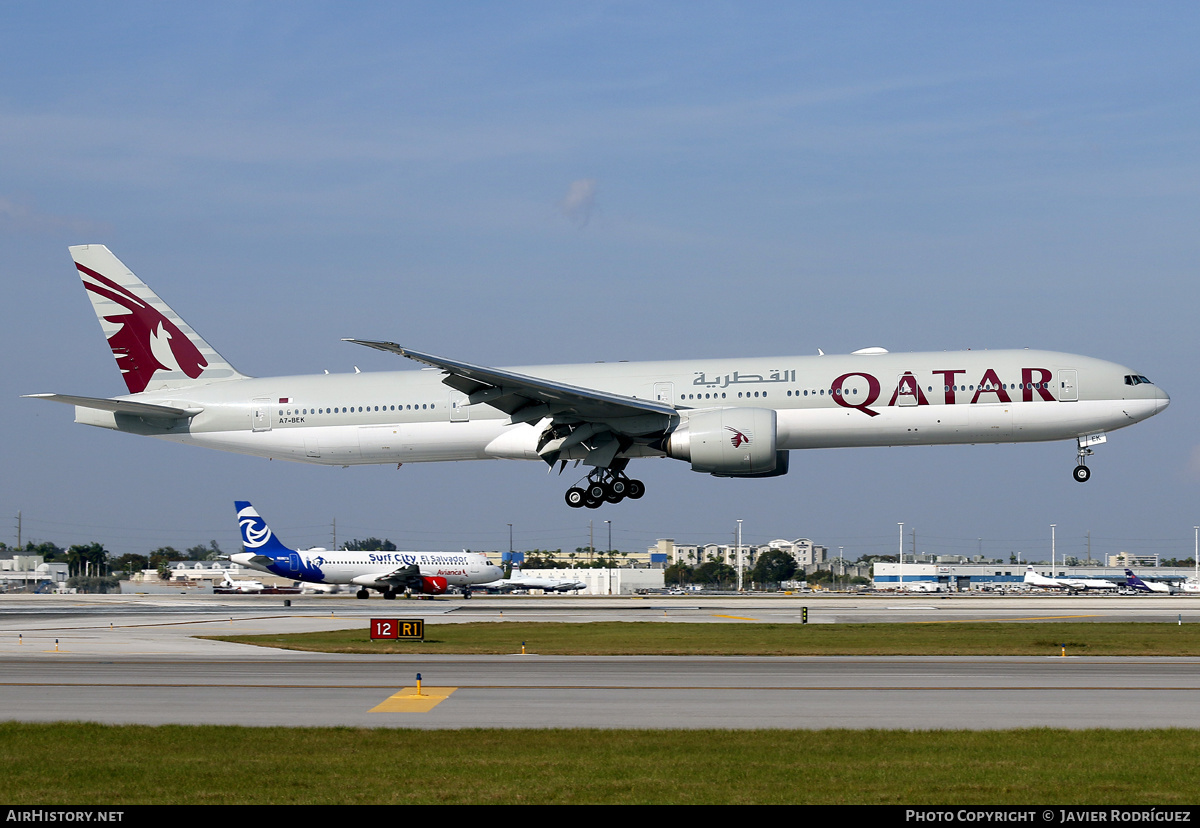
[
  {"x": 738, "y": 439},
  {"x": 146, "y": 339}
]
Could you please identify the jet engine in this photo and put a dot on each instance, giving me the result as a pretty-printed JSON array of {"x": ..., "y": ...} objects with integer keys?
[{"x": 729, "y": 442}]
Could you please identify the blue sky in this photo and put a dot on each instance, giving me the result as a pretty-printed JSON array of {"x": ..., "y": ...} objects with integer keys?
[{"x": 543, "y": 182}]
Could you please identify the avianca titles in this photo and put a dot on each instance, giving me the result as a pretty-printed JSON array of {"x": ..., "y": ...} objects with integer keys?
[
  {"x": 725, "y": 417},
  {"x": 422, "y": 573}
]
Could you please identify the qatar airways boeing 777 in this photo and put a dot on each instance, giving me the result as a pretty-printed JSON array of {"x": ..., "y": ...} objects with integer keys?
[{"x": 725, "y": 417}]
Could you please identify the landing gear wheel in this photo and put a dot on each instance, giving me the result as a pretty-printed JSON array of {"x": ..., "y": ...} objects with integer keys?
[
  {"x": 616, "y": 491},
  {"x": 389, "y": 596},
  {"x": 362, "y": 593},
  {"x": 607, "y": 485},
  {"x": 1082, "y": 474}
]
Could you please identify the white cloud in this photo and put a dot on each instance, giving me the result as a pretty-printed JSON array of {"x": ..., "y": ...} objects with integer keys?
[{"x": 580, "y": 201}]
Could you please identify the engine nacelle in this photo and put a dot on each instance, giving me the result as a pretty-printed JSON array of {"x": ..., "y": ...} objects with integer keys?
[
  {"x": 433, "y": 585},
  {"x": 729, "y": 442}
]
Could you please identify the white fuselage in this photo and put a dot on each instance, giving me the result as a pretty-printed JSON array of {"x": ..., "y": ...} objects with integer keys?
[
  {"x": 820, "y": 402},
  {"x": 1035, "y": 579},
  {"x": 364, "y": 568}
]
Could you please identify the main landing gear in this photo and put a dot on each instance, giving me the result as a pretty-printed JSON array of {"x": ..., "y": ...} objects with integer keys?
[
  {"x": 388, "y": 594},
  {"x": 604, "y": 486}
]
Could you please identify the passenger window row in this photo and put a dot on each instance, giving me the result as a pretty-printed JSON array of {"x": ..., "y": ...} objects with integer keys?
[{"x": 352, "y": 410}]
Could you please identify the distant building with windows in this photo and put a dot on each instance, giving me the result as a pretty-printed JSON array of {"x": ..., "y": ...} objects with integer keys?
[
  {"x": 802, "y": 550},
  {"x": 1126, "y": 559}
]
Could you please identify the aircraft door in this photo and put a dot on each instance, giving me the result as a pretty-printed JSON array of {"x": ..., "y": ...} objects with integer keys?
[
  {"x": 459, "y": 411},
  {"x": 664, "y": 392},
  {"x": 260, "y": 418},
  {"x": 906, "y": 390},
  {"x": 1068, "y": 385}
]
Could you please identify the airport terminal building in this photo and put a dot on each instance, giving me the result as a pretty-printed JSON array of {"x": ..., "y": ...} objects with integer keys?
[{"x": 1001, "y": 577}]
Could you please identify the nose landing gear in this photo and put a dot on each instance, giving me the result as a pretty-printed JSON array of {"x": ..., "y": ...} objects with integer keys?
[
  {"x": 1082, "y": 473},
  {"x": 604, "y": 486}
]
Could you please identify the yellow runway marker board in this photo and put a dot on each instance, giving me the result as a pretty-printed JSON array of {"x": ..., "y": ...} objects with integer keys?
[{"x": 407, "y": 700}]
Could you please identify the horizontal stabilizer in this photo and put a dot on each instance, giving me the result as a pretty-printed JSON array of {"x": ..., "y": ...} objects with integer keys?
[{"x": 136, "y": 409}]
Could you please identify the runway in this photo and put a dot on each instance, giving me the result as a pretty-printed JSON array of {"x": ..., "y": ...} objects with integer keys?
[{"x": 135, "y": 659}]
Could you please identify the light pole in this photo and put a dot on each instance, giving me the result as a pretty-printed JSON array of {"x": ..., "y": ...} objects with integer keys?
[
  {"x": 609, "y": 522},
  {"x": 1052, "y": 526},
  {"x": 901, "y": 559},
  {"x": 739, "y": 554}
]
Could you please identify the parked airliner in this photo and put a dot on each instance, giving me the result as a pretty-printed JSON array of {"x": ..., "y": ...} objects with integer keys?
[
  {"x": 1138, "y": 585},
  {"x": 725, "y": 417},
  {"x": 518, "y": 581},
  {"x": 427, "y": 573},
  {"x": 1035, "y": 579}
]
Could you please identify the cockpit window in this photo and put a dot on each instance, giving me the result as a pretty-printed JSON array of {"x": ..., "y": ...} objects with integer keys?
[{"x": 1136, "y": 379}]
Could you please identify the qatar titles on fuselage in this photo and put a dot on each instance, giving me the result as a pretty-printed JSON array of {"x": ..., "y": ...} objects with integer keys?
[{"x": 726, "y": 417}]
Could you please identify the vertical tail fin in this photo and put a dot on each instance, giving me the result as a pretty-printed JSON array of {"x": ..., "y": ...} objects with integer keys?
[
  {"x": 153, "y": 346},
  {"x": 257, "y": 537}
]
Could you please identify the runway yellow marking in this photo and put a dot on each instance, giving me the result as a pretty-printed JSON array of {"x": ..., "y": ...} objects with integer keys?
[
  {"x": 407, "y": 700},
  {"x": 1002, "y": 620},
  {"x": 735, "y": 617}
]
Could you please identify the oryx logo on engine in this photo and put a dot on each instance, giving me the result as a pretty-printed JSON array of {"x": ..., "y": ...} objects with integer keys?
[{"x": 739, "y": 438}]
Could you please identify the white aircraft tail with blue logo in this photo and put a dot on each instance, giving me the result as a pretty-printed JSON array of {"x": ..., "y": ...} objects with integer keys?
[{"x": 257, "y": 537}]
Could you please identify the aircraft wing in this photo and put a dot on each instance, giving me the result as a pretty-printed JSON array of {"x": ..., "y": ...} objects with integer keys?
[
  {"x": 136, "y": 409},
  {"x": 607, "y": 422},
  {"x": 401, "y": 577}
]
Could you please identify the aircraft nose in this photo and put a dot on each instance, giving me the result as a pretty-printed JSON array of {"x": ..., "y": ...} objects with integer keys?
[{"x": 1161, "y": 399}]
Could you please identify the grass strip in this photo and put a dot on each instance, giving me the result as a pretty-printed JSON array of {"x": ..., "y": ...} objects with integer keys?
[
  {"x": 93, "y": 764},
  {"x": 658, "y": 638}
]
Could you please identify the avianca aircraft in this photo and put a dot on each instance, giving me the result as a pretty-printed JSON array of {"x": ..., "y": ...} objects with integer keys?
[
  {"x": 1074, "y": 584},
  {"x": 428, "y": 573},
  {"x": 724, "y": 417}
]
